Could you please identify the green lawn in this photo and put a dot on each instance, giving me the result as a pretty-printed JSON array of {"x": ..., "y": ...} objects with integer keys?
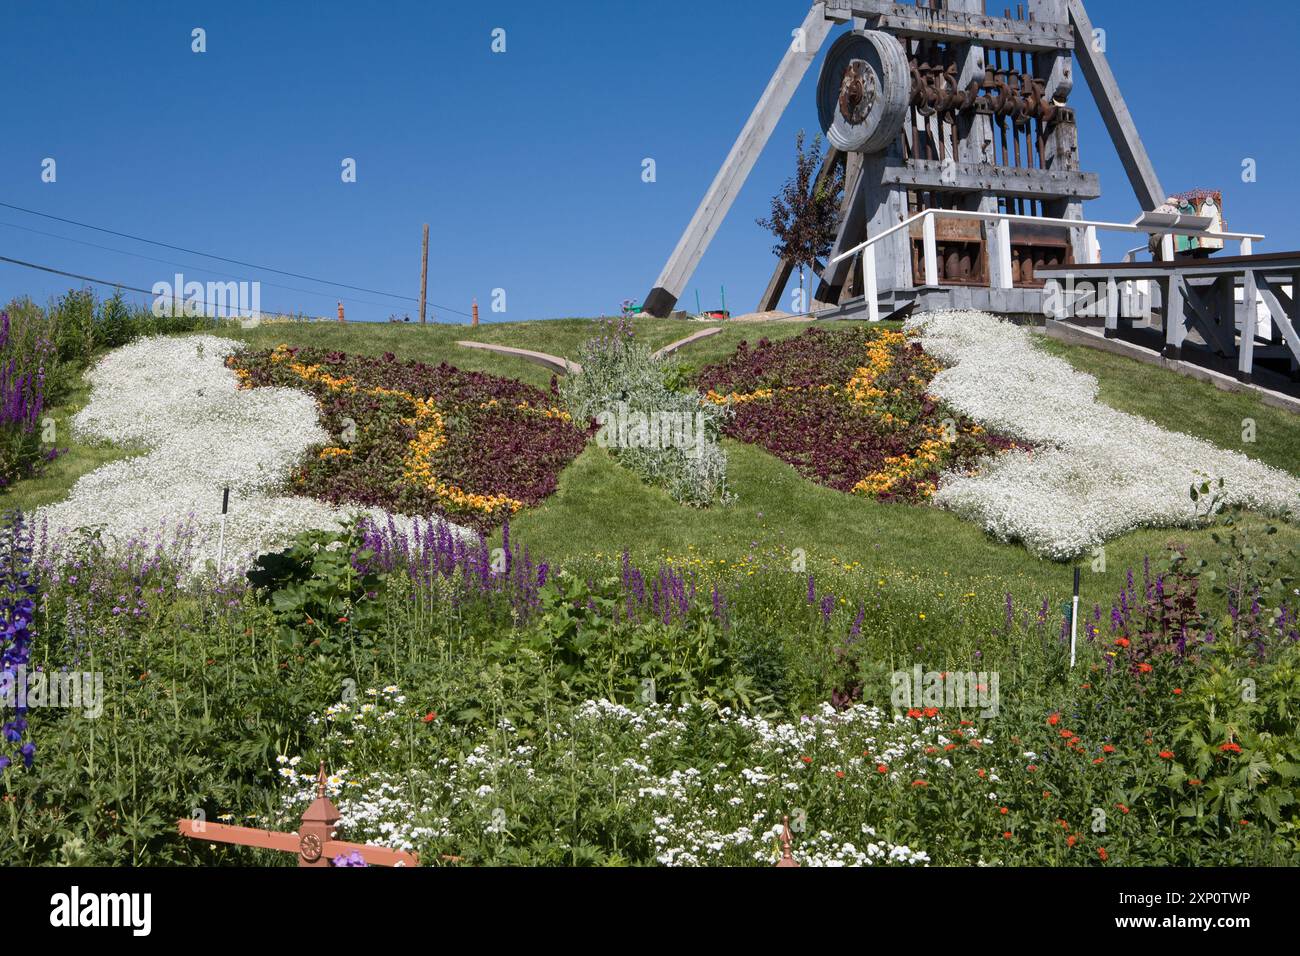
[{"x": 601, "y": 508}]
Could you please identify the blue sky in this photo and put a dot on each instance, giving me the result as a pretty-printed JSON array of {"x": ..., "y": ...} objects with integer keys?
[{"x": 527, "y": 165}]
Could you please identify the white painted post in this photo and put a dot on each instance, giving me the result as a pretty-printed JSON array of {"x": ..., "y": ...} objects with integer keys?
[
  {"x": 931, "y": 251},
  {"x": 1247, "y": 247},
  {"x": 1249, "y": 322},
  {"x": 1002, "y": 249},
  {"x": 1167, "y": 247},
  {"x": 1112, "y": 305},
  {"x": 869, "y": 283},
  {"x": 1090, "y": 244}
]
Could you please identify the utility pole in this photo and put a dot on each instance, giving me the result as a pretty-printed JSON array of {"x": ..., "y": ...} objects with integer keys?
[{"x": 424, "y": 271}]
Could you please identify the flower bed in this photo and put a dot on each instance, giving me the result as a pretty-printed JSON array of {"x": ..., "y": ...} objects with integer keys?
[
  {"x": 1097, "y": 473},
  {"x": 420, "y": 439},
  {"x": 848, "y": 409}
]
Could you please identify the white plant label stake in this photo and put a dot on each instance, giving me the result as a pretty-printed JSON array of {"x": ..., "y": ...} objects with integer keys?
[
  {"x": 1074, "y": 619},
  {"x": 221, "y": 540}
]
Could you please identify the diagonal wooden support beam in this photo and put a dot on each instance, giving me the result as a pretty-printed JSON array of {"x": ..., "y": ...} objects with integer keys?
[
  {"x": 1202, "y": 315},
  {"x": 803, "y": 49},
  {"x": 781, "y": 274},
  {"x": 1282, "y": 308},
  {"x": 1114, "y": 111}
]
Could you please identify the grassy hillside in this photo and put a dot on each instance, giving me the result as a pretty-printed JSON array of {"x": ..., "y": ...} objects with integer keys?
[{"x": 601, "y": 508}]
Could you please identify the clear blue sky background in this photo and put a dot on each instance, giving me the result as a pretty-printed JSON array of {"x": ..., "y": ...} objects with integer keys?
[{"x": 527, "y": 165}]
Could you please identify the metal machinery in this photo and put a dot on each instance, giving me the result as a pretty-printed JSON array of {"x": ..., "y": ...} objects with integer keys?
[{"x": 937, "y": 105}]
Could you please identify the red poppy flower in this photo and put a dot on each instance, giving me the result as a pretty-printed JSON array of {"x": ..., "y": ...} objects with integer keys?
[
  {"x": 1101, "y": 852},
  {"x": 1178, "y": 690},
  {"x": 1230, "y": 747},
  {"x": 949, "y": 746},
  {"x": 1071, "y": 840},
  {"x": 881, "y": 768},
  {"x": 1067, "y": 733},
  {"x": 430, "y": 717},
  {"x": 1107, "y": 749},
  {"x": 1003, "y": 810},
  {"x": 840, "y": 774},
  {"x": 914, "y": 713},
  {"x": 1194, "y": 782},
  {"x": 806, "y": 759},
  {"x": 1086, "y": 686},
  {"x": 1121, "y": 808},
  {"x": 931, "y": 711},
  {"x": 1166, "y": 755},
  {"x": 920, "y": 783},
  {"x": 982, "y": 773},
  {"x": 1122, "y": 642},
  {"x": 1054, "y": 719},
  {"x": 1099, "y": 760},
  {"x": 1244, "y": 823},
  {"x": 1144, "y": 668},
  {"x": 1006, "y": 835},
  {"x": 343, "y": 620},
  {"x": 1032, "y": 767}
]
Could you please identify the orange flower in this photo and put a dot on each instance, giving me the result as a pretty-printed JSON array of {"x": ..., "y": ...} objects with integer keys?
[
  {"x": 1101, "y": 852},
  {"x": 1144, "y": 668},
  {"x": 1086, "y": 686},
  {"x": 1032, "y": 767},
  {"x": 1067, "y": 733},
  {"x": 1071, "y": 840},
  {"x": 949, "y": 746},
  {"x": 1122, "y": 642},
  {"x": 1006, "y": 835},
  {"x": 920, "y": 783},
  {"x": 1230, "y": 747},
  {"x": 1003, "y": 810},
  {"x": 1099, "y": 760},
  {"x": 1194, "y": 782},
  {"x": 1107, "y": 749},
  {"x": 982, "y": 773},
  {"x": 914, "y": 713},
  {"x": 1166, "y": 755},
  {"x": 931, "y": 712},
  {"x": 840, "y": 774},
  {"x": 343, "y": 620},
  {"x": 1244, "y": 823},
  {"x": 1178, "y": 690},
  {"x": 1121, "y": 808},
  {"x": 1054, "y": 719},
  {"x": 806, "y": 759},
  {"x": 881, "y": 768}
]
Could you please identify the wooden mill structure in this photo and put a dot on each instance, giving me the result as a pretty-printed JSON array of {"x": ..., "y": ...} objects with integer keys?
[{"x": 938, "y": 105}]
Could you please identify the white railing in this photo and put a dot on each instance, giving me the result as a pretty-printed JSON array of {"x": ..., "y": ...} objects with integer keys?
[{"x": 1000, "y": 244}]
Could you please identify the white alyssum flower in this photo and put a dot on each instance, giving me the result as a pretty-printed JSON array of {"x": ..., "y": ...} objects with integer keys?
[
  {"x": 174, "y": 400},
  {"x": 1095, "y": 472}
]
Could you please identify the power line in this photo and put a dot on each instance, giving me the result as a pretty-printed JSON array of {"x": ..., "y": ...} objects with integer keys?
[
  {"x": 113, "y": 285},
  {"x": 238, "y": 262},
  {"x": 184, "y": 265}
]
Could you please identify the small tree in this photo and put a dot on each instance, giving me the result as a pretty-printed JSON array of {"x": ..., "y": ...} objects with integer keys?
[{"x": 805, "y": 213}]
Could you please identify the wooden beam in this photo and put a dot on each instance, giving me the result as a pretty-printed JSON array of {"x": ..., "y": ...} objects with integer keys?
[
  {"x": 1004, "y": 180},
  {"x": 799, "y": 56},
  {"x": 924, "y": 23},
  {"x": 1203, "y": 316},
  {"x": 1282, "y": 308},
  {"x": 1114, "y": 111}
]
